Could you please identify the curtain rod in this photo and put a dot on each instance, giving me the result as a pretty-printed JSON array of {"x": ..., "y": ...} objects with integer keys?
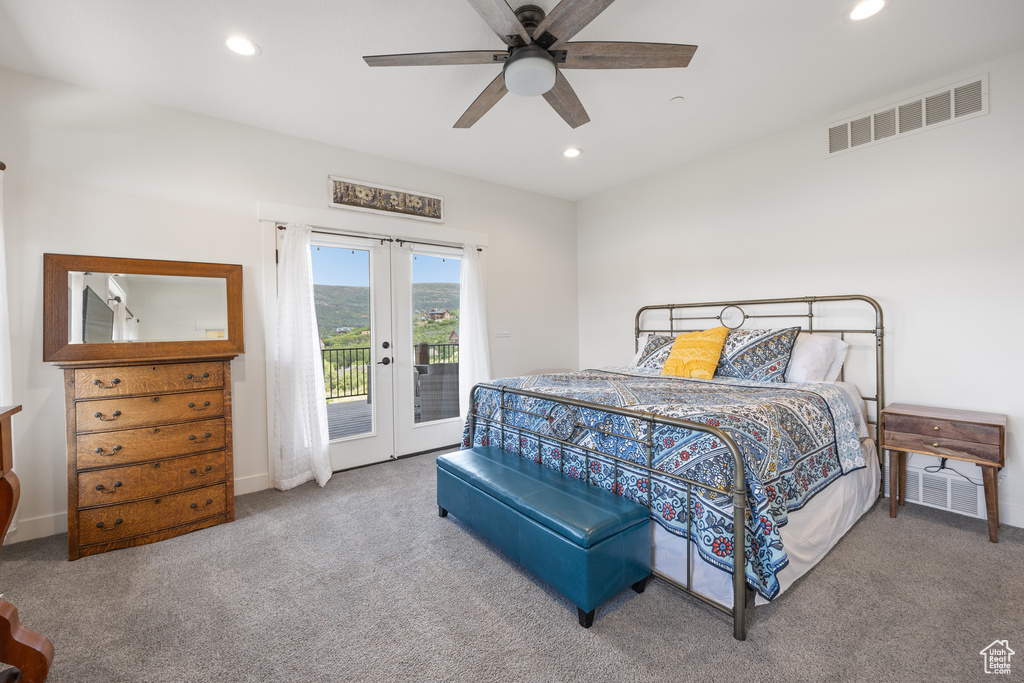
[{"x": 382, "y": 238}]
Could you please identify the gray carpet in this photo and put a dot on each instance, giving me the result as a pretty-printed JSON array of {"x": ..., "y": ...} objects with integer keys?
[{"x": 362, "y": 581}]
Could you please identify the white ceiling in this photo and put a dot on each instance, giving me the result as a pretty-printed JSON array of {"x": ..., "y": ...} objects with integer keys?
[{"x": 761, "y": 66}]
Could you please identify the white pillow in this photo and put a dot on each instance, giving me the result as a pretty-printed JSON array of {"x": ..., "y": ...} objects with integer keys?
[
  {"x": 640, "y": 349},
  {"x": 816, "y": 358}
]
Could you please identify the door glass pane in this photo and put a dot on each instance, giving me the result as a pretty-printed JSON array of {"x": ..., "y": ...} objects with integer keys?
[
  {"x": 435, "y": 335},
  {"x": 341, "y": 291}
]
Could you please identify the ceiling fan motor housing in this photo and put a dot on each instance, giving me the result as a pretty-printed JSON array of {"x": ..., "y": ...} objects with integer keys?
[{"x": 529, "y": 71}]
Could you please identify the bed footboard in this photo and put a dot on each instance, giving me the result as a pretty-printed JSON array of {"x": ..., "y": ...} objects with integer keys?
[{"x": 496, "y": 417}]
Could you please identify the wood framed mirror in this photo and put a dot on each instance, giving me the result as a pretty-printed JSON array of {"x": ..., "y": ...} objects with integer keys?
[{"x": 98, "y": 308}]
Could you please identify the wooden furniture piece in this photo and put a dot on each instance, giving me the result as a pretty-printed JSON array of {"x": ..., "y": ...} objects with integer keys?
[
  {"x": 944, "y": 433},
  {"x": 149, "y": 451},
  {"x": 147, "y": 397},
  {"x": 29, "y": 652}
]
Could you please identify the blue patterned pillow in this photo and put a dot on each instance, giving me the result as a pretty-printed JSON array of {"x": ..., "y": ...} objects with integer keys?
[
  {"x": 655, "y": 352},
  {"x": 761, "y": 355}
]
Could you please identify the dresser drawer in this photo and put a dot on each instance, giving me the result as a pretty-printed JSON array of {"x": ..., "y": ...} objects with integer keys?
[
  {"x": 112, "y": 522},
  {"x": 940, "y": 446},
  {"x": 147, "y": 379},
  {"x": 118, "y": 484},
  {"x": 126, "y": 413},
  {"x": 107, "y": 449},
  {"x": 946, "y": 429}
]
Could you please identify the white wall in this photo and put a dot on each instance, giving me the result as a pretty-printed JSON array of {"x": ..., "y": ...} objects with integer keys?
[
  {"x": 91, "y": 173},
  {"x": 930, "y": 225}
]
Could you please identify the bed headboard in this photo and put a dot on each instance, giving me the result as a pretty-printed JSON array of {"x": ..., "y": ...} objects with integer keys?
[{"x": 854, "y": 318}]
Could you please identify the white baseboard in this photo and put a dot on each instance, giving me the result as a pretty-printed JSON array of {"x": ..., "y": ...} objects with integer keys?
[
  {"x": 1011, "y": 514},
  {"x": 38, "y": 527},
  {"x": 57, "y": 523},
  {"x": 252, "y": 484}
]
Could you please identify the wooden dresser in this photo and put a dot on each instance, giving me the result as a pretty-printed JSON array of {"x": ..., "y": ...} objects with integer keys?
[{"x": 149, "y": 450}]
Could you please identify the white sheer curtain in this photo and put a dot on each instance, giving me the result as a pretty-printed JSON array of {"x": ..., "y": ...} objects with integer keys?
[
  {"x": 6, "y": 379},
  {"x": 474, "y": 353},
  {"x": 300, "y": 411}
]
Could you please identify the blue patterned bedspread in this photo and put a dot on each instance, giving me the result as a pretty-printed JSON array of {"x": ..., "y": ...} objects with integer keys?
[{"x": 796, "y": 439}]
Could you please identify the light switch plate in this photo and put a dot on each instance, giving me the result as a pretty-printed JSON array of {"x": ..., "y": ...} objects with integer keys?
[{"x": 502, "y": 331}]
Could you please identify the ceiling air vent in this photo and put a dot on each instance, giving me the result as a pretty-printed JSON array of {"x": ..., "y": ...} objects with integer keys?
[{"x": 956, "y": 102}]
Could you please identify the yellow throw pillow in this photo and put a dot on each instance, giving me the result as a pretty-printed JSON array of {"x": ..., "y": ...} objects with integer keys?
[{"x": 696, "y": 354}]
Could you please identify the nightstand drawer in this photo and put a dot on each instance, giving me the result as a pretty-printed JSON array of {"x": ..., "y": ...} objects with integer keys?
[
  {"x": 940, "y": 446},
  {"x": 944, "y": 429}
]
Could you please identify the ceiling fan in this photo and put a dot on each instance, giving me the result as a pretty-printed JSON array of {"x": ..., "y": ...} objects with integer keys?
[{"x": 538, "y": 49}]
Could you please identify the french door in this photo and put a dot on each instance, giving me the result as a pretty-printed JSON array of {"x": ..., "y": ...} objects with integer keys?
[{"x": 387, "y": 314}]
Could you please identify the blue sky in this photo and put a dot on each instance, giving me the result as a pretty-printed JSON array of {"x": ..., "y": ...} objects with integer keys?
[{"x": 336, "y": 266}]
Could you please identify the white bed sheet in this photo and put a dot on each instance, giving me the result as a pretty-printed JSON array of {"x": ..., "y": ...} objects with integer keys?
[{"x": 808, "y": 535}]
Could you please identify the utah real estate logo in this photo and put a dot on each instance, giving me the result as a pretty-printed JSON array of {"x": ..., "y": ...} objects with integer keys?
[{"x": 997, "y": 657}]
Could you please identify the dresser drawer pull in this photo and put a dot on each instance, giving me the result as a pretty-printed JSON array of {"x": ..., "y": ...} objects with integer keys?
[
  {"x": 205, "y": 406},
  {"x": 206, "y": 438},
  {"x": 195, "y": 506},
  {"x": 116, "y": 414},
  {"x": 113, "y": 383},
  {"x": 935, "y": 445},
  {"x": 936, "y": 427},
  {"x": 114, "y": 450},
  {"x": 100, "y": 487},
  {"x": 205, "y": 472},
  {"x": 198, "y": 380},
  {"x": 99, "y": 525}
]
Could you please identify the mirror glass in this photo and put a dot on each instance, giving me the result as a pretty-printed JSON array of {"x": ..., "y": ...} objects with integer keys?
[{"x": 119, "y": 307}]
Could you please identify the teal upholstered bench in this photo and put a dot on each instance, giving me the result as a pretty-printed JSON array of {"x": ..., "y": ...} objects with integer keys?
[{"x": 585, "y": 542}]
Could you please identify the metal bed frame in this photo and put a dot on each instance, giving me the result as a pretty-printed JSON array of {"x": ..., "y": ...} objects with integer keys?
[{"x": 738, "y": 492}]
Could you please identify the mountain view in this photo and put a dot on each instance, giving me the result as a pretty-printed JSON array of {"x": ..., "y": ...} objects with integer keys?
[{"x": 341, "y": 307}]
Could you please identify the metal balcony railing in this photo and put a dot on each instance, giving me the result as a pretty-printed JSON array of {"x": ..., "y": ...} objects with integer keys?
[{"x": 347, "y": 371}]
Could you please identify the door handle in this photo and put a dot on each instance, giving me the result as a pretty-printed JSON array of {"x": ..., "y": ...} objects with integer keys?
[{"x": 386, "y": 361}]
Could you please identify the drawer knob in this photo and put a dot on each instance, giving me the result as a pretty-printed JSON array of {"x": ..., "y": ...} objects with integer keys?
[
  {"x": 205, "y": 406},
  {"x": 99, "y": 525},
  {"x": 113, "y": 383},
  {"x": 195, "y": 506},
  {"x": 206, "y": 437},
  {"x": 936, "y": 427},
  {"x": 193, "y": 471},
  {"x": 100, "y": 487},
  {"x": 935, "y": 445},
  {"x": 116, "y": 414}
]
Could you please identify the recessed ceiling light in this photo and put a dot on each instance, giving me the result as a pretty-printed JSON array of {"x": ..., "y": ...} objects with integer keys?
[
  {"x": 572, "y": 153},
  {"x": 242, "y": 46},
  {"x": 864, "y": 9}
]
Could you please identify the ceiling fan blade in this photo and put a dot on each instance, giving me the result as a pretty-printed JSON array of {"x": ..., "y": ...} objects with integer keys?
[
  {"x": 439, "y": 58},
  {"x": 568, "y": 18},
  {"x": 563, "y": 99},
  {"x": 608, "y": 55},
  {"x": 482, "y": 104},
  {"x": 502, "y": 20}
]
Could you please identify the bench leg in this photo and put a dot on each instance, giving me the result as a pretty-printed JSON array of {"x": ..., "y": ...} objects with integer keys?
[
  {"x": 640, "y": 585},
  {"x": 586, "y": 618},
  {"x": 441, "y": 512}
]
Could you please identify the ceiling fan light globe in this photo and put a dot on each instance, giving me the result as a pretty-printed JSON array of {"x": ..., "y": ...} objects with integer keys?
[{"x": 529, "y": 72}]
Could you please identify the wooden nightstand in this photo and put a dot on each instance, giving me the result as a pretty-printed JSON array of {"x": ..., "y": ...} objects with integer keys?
[{"x": 955, "y": 434}]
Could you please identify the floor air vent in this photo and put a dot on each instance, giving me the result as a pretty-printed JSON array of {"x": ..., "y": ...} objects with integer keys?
[
  {"x": 950, "y": 104},
  {"x": 944, "y": 490}
]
